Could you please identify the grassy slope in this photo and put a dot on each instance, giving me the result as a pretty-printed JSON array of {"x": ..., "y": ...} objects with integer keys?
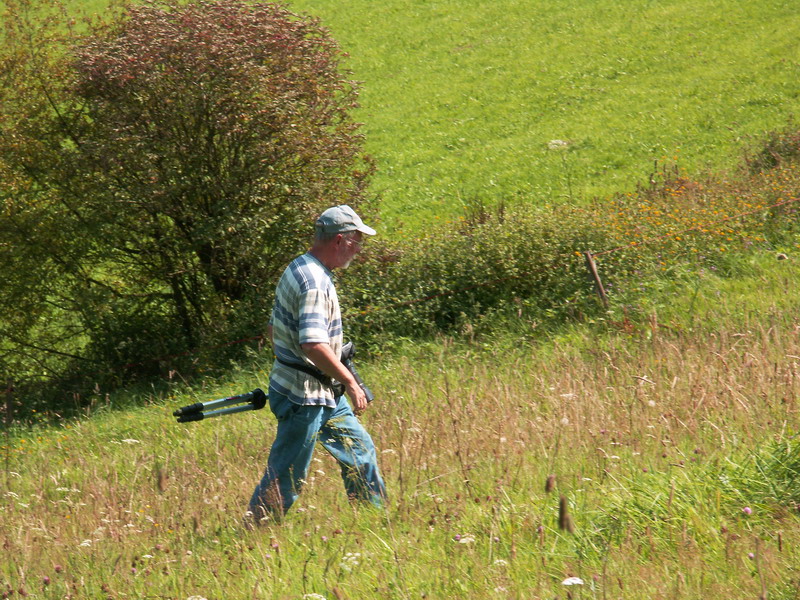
[
  {"x": 649, "y": 436},
  {"x": 128, "y": 505},
  {"x": 461, "y": 98}
]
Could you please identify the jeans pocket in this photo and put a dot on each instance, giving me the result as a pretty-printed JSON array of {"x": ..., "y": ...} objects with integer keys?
[{"x": 281, "y": 406}]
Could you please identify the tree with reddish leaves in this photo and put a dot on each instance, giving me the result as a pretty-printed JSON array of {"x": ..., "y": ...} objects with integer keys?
[{"x": 162, "y": 167}]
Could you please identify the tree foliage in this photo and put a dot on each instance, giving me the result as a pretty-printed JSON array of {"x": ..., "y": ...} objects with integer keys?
[{"x": 157, "y": 170}]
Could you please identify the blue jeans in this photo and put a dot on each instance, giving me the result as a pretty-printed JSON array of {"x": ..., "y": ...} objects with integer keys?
[{"x": 299, "y": 428}]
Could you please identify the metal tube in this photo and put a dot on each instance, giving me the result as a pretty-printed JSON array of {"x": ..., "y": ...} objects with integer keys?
[
  {"x": 200, "y": 416},
  {"x": 228, "y": 411},
  {"x": 254, "y": 400},
  {"x": 199, "y": 407},
  {"x": 215, "y": 404}
]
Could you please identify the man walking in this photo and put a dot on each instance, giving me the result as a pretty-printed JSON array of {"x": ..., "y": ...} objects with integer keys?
[{"x": 306, "y": 332}]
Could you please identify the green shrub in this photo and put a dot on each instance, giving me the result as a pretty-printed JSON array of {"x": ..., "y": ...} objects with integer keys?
[
  {"x": 522, "y": 258},
  {"x": 157, "y": 171},
  {"x": 530, "y": 262},
  {"x": 776, "y": 148}
]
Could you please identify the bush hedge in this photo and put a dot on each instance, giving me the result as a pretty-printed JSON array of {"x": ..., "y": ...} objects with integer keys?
[{"x": 530, "y": 261}]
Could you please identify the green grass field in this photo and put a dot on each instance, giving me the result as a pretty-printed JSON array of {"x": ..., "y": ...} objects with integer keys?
[
  {"x": 672, "y": 439},
  {"x": 460, "y": 99},
  {"x": 673, "y": 446}
]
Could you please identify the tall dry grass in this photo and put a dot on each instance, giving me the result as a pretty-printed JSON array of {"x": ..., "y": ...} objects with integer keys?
[{"x": 653, "y": 440}]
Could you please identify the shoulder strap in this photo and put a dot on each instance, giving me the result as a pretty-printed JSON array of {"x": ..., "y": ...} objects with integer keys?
[{"x": 309, "y": 370}]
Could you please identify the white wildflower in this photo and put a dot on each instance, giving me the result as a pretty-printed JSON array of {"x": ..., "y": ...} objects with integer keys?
[
  {"x": 350, "y": 561},
  {"x": 466, "y": 539},
  {"x": 500, "y": 563}
]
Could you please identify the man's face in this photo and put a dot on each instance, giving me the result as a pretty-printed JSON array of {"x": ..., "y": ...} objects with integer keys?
[{"x": 350, "y": 245}]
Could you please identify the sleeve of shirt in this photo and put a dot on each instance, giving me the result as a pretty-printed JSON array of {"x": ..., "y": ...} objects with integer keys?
[{"x": 313, "y": 317}]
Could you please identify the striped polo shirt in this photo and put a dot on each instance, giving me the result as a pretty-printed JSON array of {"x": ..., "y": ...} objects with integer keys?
[{"x": 306, "y": 310}]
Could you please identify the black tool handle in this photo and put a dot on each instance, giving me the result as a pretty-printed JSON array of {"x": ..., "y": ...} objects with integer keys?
[
  {"x": 259, "y": 399},
  {"x": 351, "y": 367},
  {"x": 197, "y": 407},
  {"x": 198, "y": 416}
]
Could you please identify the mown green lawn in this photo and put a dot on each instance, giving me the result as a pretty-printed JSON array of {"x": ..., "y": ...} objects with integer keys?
[{"x": 461, "y": 98}]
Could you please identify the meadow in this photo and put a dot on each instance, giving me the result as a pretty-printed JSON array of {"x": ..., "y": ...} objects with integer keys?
[
  {"x": 671, "y": 450},
  {"x": 646, "y": 451},
  {"x": 461, "y": 100}
]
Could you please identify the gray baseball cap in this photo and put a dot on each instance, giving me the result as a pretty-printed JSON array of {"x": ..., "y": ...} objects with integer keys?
[{"x": 341, "y": 219}]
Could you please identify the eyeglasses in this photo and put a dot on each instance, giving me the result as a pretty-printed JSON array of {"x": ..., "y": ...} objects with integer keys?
[{"x": 355, "y": 243}]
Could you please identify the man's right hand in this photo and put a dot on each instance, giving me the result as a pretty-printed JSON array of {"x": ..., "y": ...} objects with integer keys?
[{"x": 358, "y": 397}]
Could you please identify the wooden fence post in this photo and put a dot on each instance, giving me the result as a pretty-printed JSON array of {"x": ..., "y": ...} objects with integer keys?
[
  {"x": 7, "y": 419},
  {"x": 598, "y": 285}
]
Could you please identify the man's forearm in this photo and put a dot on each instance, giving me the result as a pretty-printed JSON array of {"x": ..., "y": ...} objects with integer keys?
[
  {"x": 330, "y": 364},
  {"x": 326, "y": 361}
]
